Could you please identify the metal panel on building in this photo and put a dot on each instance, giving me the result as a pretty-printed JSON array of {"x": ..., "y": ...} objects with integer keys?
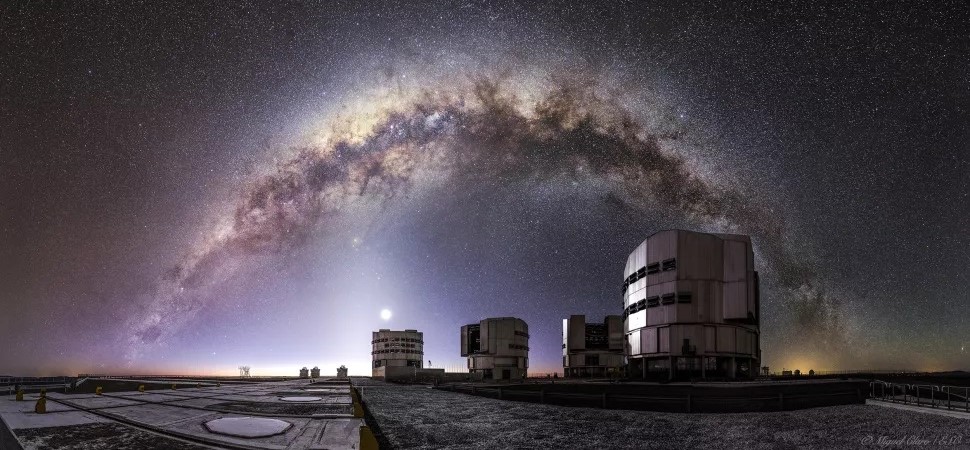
[
  {"x": 649, "y": 341},
  {"x": 710, "y": 339},
  {"x": 663, "y": 339},
  {"x": 634, "y": 342},
  {"x": 735, "y": 300}
]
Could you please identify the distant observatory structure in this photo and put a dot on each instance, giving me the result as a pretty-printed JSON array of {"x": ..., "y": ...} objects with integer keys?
[
  {"x": 592, "y": 349},
  {"x": 497, "y": 348},
  {"x": 315, "y": 372},
  {"x": 244, "y": 371},
  {"x": 342, "y": 372},
  {"x": 396, "y": 349},
  {"x": 398, "y": 355}
]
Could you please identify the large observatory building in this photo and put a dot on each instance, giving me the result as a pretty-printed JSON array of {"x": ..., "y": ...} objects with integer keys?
[{"x": 692, "y": 307}]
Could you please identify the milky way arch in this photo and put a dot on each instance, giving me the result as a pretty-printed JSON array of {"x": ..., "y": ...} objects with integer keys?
[{"x": 485, "y": 134}]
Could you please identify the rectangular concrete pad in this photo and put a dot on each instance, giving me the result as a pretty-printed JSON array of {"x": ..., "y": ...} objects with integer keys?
[
  {"x": 147, "y": 397},
  {"x": 337, "y": 432},
  {"x": 10, "y": 405},
  {"x": 328, "y": 434},
  {"x": 33, "y": 420},
  {"x": 195, "y": 402},
  {"x": 193, "y": 394},
  {"x": 326, "y": 391},
  {"x": 157, "y": 414},
  {"x": 237, "y": 398},
  {"x": 100, "y": 402}
]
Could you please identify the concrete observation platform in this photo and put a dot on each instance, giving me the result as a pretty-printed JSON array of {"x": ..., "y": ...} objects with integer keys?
[{"x": 297, "y": 414}]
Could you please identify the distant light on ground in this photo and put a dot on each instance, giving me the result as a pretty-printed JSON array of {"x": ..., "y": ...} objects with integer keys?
[{"x": 386, "y": 314}]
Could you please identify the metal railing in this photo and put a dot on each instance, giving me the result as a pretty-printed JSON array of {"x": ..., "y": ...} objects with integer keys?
[
  {"x": 847, "y": 372},
  {"x": 5, "y": 380},
  {"x": 956, "y": 398},
  {"x": 34, "y": 388}
]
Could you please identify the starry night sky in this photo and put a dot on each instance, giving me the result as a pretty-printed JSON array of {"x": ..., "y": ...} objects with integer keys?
[{"x": 188, "y": 189}]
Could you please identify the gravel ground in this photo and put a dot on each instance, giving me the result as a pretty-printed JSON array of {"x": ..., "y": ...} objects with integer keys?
[{"x": 420, "y": 417}]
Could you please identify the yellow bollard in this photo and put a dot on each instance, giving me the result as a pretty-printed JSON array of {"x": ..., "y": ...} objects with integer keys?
[
  {"x": 173, "y": 386},
  {"x": 141, "y": 388},
  {"x": 367, "y": 439},
  {"x": 20, "y": 395},
  {"x": 43, "y": 392},
  {"x": 98, "y": 390},
  {"x": 41, "y": 406}
]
